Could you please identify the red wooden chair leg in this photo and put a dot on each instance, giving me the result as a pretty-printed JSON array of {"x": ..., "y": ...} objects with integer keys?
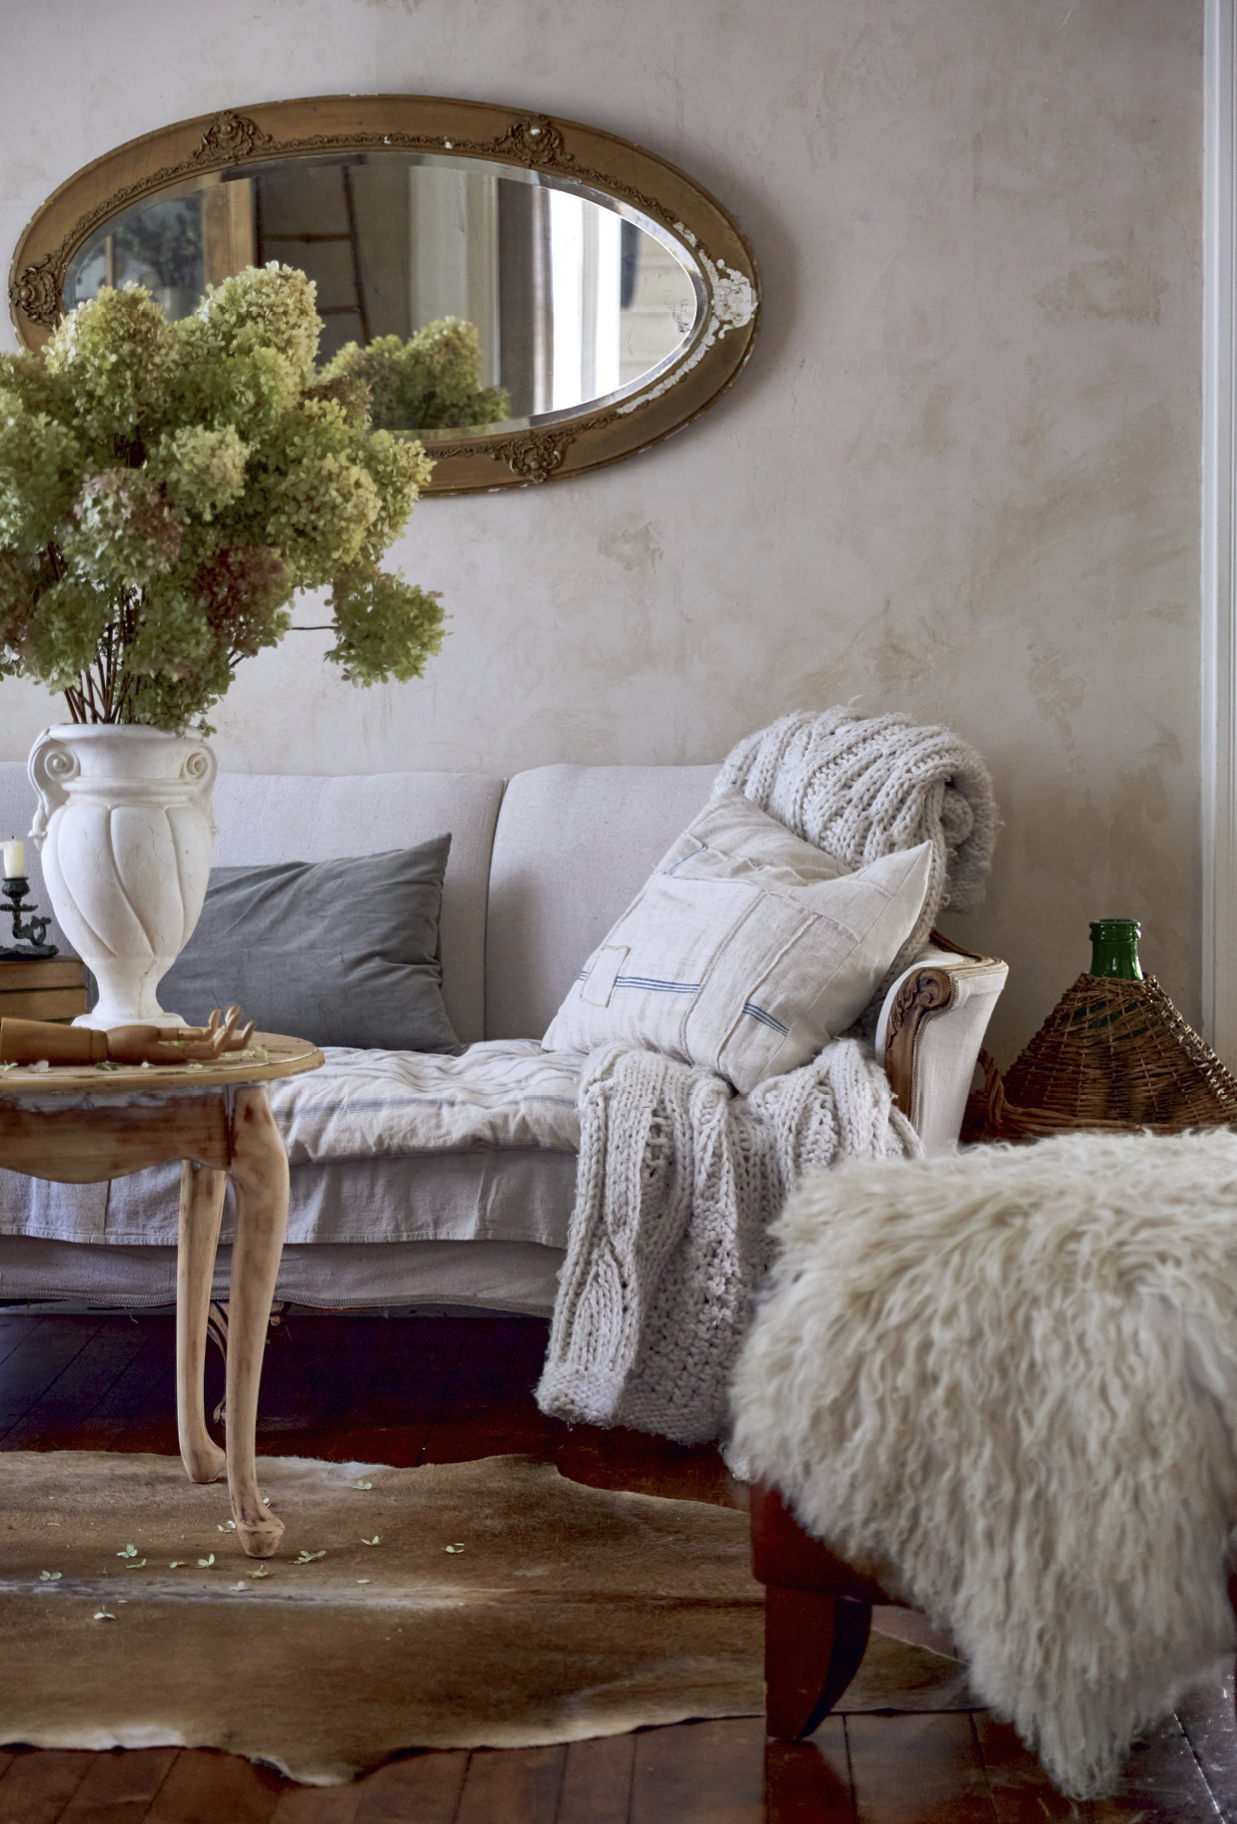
[{"x": 814, "y": 1643}]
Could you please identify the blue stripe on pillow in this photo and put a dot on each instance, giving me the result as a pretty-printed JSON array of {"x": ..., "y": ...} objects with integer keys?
[
  {"x": 766, "y": 1019},
  {"x": 682, "y": 858},
  {"x": 654, "y": 986},
  {"x": 650, "y": 982}
]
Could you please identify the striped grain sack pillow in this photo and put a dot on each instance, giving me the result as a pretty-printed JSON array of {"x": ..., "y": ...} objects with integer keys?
[{"x": 747, "y": 950}]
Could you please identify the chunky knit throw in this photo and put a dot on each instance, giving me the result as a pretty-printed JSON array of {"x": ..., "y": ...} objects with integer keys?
[
  {"x": 1005, "y": 1384},
  {"x": 679, "y": 1177},
  {"x": 866, "y": 786}
]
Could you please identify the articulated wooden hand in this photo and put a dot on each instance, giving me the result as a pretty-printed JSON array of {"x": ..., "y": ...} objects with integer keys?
[
  {"x": 31, "y": 1041},
  {"x": 177, "y": 1044}
]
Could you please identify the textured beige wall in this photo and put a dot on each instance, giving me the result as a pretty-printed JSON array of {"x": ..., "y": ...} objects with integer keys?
[{"x": 959, "y": 477}]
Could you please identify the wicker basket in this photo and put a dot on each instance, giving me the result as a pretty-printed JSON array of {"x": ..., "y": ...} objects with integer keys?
[{"x": 1111, "y": 1054}]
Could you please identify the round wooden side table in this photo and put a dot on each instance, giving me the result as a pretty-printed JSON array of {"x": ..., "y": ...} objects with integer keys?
[{"x": 85, "y": 1124}]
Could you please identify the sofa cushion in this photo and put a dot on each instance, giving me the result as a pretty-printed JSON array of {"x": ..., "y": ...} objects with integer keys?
[
  {"x": 337, "y": 952},
  {"x": 572, "y": 847},
  {"x": 276, "y": 817},
  {"x": 265, "y": 817},
  {"x": 746, "y": 951},
  {"x": 385, "y": 1104}
]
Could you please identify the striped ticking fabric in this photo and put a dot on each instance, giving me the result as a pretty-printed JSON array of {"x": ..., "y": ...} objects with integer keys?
[
  {"x": 766, "y": 1019},
  {"x": 651, "y": 983}
]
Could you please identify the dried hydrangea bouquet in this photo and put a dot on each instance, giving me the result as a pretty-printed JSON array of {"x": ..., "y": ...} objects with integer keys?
[{"x": 165, "y": 490}]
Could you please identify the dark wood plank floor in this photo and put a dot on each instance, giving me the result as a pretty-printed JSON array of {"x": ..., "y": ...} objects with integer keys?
[{"x": 420, "y": 1390}]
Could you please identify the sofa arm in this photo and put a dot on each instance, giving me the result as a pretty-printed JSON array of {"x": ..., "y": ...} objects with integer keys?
[{"x": 930, "y": 1030}]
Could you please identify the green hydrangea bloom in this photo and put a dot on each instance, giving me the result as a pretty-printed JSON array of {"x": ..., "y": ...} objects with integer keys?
[
  {"x": 121, "y": 530},
  {"x": 430, "y": 382},
  {"x": 166, "y": 488},
  {"x": 40, "y": 473},
  {"x": 387, "y": 628},
  {"x": 22, "y": 576},
  {"x": 251, "y": 392},
  {"x": 201, "y": 468},
  {"x": 62, "y": 634},
  {"x": 164, "y": 701},
  {"x": 399, "y": 469},
  {"x": 323, "y": 508},
  {"x": 115, "y": 354},
  {"x": 28, "y": 379},
  {"x": 265, "y": 307}
]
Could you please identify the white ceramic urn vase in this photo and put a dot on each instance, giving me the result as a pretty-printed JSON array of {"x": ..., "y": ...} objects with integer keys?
[{"x": 125, "y": 827}]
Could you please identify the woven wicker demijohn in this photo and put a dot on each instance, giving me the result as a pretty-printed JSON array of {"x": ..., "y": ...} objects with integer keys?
[{"x": 1114, "y": 1052}]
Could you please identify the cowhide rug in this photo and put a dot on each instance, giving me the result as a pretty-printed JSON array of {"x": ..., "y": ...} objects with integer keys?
[{"x": 488, "y": 1604}]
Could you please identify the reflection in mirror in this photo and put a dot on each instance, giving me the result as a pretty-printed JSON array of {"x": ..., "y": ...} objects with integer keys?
[{"x": 467, "y": 293}]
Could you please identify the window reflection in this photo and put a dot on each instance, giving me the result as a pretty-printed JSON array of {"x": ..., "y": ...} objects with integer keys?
[{"x": 160, "y": 248}]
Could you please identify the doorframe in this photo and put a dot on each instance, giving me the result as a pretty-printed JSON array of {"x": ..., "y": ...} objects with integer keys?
[{"x": 1218, "y": 695}]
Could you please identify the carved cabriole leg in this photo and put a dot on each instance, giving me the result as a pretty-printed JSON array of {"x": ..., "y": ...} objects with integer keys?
[
  {"x": 259, "y": 1174},
  {"x": 201, "y": 1212}
]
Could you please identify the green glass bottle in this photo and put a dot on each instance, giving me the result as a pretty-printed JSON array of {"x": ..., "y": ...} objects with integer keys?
[{"x": 1114, "y": 948}]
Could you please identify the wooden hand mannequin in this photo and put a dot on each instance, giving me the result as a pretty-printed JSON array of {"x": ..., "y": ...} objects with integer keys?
[{"x": 32, "y": 1041}]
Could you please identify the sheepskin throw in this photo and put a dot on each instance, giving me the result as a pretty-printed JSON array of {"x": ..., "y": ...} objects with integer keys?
[
  {"x": 679, "y": 1178},
  {"x": 1005, "y": 1384}
]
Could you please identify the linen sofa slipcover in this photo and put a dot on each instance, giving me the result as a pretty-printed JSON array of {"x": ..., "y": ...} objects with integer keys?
[{"x": 540, "y": 868}]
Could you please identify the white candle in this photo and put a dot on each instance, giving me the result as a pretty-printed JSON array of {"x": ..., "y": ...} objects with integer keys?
[{"x": 14, "y": 860}]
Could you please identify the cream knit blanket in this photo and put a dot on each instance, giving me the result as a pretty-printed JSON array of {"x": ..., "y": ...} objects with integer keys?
[
  {"x": 1005, "y": 1383},
  {"x": 866, "y": 786},
  {"x": 678, "y": 1177}
]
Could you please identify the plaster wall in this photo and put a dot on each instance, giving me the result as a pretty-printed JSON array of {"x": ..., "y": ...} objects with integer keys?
[{"x": 959, "y": 476}]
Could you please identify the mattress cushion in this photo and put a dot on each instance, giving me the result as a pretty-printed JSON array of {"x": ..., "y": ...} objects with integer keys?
[{"x": 385, "y": 1104}]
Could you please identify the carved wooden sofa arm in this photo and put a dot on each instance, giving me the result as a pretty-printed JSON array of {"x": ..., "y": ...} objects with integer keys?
[{"x": 931, "y": 1060}]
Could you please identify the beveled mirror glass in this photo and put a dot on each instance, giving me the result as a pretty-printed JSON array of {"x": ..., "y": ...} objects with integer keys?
[{"x": 594, "y": 296}]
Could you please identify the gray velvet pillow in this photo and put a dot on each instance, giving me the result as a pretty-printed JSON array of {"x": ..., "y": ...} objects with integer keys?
[{"x": 337, "y": 952}]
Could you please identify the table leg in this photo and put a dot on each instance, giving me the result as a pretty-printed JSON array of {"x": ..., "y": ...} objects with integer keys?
[
  {"x": 201, "y": 1212},
  {"x": 259, "y": 1173}
]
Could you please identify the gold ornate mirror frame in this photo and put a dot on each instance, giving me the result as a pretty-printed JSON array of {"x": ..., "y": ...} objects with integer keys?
[{"x": 710, "y": 241}]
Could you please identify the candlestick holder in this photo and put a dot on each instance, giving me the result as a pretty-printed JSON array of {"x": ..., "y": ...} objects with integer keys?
[{"x": 34, "y": 930}]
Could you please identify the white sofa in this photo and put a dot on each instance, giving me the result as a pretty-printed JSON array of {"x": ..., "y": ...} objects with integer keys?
[{"x": 540, "y": 867}]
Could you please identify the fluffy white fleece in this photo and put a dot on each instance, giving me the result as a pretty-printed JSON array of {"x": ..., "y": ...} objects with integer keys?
[{"x": 1006, "y": 1384}]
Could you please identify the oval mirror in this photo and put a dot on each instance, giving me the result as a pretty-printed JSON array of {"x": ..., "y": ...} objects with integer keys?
[{"x": 528, "y": 297}]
